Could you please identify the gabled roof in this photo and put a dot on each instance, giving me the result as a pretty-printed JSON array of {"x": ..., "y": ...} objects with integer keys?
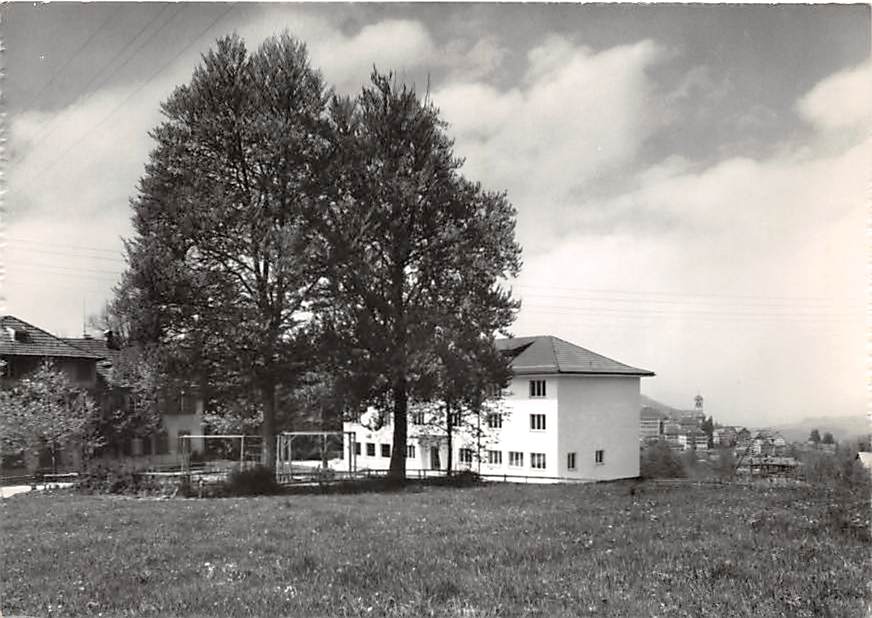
[
  {"x": 19, "y": 338},
  {"x": 548, "y": 354}
]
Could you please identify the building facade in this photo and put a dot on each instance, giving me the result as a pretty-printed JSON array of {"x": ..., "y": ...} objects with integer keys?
[{"x": 567, "y": 413}]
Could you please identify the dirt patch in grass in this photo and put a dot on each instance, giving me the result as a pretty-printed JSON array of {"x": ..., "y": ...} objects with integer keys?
[{"x": 495, "y": 550}]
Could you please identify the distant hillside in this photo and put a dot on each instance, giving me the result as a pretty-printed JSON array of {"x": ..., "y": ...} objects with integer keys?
[
  {"x": 647, "y": 402},
  {"x": 842, "y": 427}
]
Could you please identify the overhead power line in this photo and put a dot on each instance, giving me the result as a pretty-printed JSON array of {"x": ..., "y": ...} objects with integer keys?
[
  {"x": 27, "y": 241},
  {"x": 673, "y": 294},
  {"x": 126, "y": 99},
  {"x": 73, "y": 56},
  {"x": 49, "y": 128}
]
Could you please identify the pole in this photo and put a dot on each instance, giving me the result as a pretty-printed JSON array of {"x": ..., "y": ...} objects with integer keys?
[{"x": 241, "y": 451}]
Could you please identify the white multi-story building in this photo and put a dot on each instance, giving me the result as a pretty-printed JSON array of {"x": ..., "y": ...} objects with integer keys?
[{"x": 567, "y": 413}]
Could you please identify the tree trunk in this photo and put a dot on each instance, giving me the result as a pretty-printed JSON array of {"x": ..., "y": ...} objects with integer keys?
[
  {"x": 268, "y": 428},
  {"x": 397, "y": 471},
  {"x": 448, "y": 431}
]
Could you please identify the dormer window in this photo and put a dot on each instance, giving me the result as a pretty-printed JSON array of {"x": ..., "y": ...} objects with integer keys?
[{"x": 17, "y": 334}]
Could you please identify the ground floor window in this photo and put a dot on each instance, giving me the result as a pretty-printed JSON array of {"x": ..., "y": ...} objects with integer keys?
[
  {"x": 370, "y": 449},
  {"x": 495, "y": 458},
  {"x": 600, "y": 457},
  {"x": 162, "y": 443},
  {"x": 516, "y": 459},
  {"x": 410, "y": 451},
  {"x": 466, "y": 455},
  {"x": 357, "y": 448},
  {"x": 537, "y": 460},
  {"x": 570, "y": 461},
  {"x": 385, "y": 450}
]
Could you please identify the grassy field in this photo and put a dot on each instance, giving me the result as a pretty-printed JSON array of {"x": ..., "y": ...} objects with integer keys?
[{"x": 608, "y": 549}]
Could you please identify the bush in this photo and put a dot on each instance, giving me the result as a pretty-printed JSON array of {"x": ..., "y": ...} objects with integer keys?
[
  {"x": 112, "y": 477},
  {"x": 258, "y": 480},
  {"x": 659, "y": 462}
]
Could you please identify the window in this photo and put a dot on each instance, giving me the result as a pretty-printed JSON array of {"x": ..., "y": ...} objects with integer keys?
[
  {"x": 537, "y": 460},
  {"x": 495, "y": 458},
  {"x": 537, "y": 422},
  {"x": 454, "y": 419},
  {"x": 385, "y": 450},
  {"x": 465, "y": 455},
  {"x": 357, "y": 448},
  {"x": 493, "y": 391},
  {"x": 417, "y": 418},
  {"x": 537, "y": 388},
  {"x": 162, "y": 443},
  {"x": 370, "y": 449},
  {"x": 410, "y": 451},
  {"x": 570, "y": 461},
  {"x": 599, "y": 457},
  {"x": 516, "y": 459},
  {"x": 494, "y": 420}
]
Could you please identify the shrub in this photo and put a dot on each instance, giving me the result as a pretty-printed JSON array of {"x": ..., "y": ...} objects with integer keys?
[
  {"x": 659, "y": 462},
  {"x": 112, "y": 477},
  {"x": 258, "y": 480}
]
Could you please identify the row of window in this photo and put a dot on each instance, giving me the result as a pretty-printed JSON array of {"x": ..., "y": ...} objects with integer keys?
[
  {"x": 494, "y": 458},
  {"x": 385, "y": 450}
]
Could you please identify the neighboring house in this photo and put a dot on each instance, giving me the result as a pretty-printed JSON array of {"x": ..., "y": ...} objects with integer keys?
[
  {"x": 697, "y": 440},
  {"x": 724, "y": 437},
  {"x": 651, "y": 423},
  {"x": 88, "y": 362},
  {"x": 566, "y": 413},
  {"x": 181, "y": 410},
  {"x": 24, "y": 347}
]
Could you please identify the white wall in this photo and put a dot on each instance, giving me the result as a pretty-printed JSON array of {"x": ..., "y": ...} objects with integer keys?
[{"x": 599, "y": 413}]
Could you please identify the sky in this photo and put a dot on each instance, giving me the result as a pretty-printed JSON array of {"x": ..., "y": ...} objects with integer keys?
[{"x": 692, "y": 182}]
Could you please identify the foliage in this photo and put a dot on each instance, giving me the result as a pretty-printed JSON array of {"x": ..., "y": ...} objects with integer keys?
[
  {"x": 828, "y": 438},
  {"x": 725, "y": 467},
  {"x": 660, "y": 462},
  {"x": 252, "y": 481},
  {"x": 131, "y": 402},
  {"x": 218, "y": 269},
  {"x": 491, "y": 550},
  {"x": 814, "y": 436},
  {"x": 113, "y": 477},
  {"x": 408, "y": 246},
  {"x": 45, "y": 410}
]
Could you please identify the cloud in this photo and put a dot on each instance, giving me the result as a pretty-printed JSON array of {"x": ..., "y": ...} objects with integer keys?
[
  {"x": 841, "y": 100},
  {"x": 742, "y": 278},
  {"x": 577, "y": 117}
]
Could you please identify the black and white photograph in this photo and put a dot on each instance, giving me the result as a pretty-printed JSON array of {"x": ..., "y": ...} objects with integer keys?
[{"x": 435, "y": 309}]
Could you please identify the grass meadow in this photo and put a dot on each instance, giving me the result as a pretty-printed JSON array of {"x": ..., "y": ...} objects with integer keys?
[{"x": 622, "y": 549}]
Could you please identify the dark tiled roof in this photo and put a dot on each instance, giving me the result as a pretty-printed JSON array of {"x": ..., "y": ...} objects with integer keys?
[
  {"x": 36, "y": 342},
  {"x": 548, "y": 354},
  {"x": 97, "y": 346}
]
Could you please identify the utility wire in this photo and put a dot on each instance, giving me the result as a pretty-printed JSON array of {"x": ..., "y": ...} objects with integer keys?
[
  {"x": 73, "y": 56},
  {"x": 133, "y": 93},
  {"x": 48, "y": 131}
]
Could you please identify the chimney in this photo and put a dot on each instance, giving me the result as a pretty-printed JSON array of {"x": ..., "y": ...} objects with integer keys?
[{"x": 111, "y": 340}]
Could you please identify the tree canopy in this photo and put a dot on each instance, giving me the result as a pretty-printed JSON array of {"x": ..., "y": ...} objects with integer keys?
[
  {"x": 219, "y": 266},
  {"x": 281, "y": 230}
]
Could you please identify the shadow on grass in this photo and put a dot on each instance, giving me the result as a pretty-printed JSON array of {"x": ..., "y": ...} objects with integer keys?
[{"x": 382, "y": 485}]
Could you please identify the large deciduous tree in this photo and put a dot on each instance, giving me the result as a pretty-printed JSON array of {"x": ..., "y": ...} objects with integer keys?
[
  {"x": 219, "y": 264},
  {"x": 409, "y": 245}
]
